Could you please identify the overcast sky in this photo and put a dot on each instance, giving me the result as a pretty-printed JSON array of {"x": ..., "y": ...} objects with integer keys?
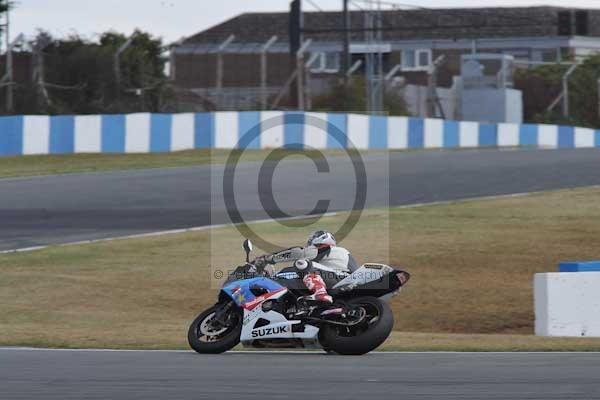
[{"x": 173, "y": 19}]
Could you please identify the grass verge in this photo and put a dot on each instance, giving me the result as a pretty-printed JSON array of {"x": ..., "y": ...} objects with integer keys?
[
  {"x": 20, "y": 166},
  {"x": 472, "y": 265}
]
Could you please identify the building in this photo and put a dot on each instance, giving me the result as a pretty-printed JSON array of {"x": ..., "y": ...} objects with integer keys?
[{"x": 411, "y": 40}]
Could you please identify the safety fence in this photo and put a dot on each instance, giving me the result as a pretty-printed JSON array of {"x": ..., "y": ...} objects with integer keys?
[{"x": 144, "y": 133}]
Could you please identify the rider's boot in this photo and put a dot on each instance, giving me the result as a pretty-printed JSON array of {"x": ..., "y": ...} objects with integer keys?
[{"x": 317, "y": 286}]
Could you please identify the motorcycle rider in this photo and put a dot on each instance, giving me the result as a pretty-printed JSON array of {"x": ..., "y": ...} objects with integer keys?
[{"x": 320, "y": 261}]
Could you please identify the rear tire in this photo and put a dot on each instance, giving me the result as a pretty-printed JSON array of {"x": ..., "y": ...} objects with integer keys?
[
  {"x": 208, "y": 339},
  {"x": 366, "y": 336}
]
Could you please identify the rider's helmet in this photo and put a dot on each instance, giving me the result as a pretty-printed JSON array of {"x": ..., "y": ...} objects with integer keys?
[{"x": 321, "y": 240}]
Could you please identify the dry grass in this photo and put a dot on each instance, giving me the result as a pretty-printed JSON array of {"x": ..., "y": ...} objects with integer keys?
[
  {"x": 409, "y": 341},
  {"x": 472, "y": 265}
]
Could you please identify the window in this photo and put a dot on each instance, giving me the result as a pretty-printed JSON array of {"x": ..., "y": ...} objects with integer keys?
[
  {"x": 326, "y": 63},
  {"x": 416, "y": 60}
]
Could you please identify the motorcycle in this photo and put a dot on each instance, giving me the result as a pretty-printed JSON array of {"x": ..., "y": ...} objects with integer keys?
[{"x": 262, "y": 310}]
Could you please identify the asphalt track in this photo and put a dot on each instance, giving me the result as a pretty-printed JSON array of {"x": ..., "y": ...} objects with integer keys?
[
  {"x": 61, "y": 375},
  {"x": 68, "y": 208}
]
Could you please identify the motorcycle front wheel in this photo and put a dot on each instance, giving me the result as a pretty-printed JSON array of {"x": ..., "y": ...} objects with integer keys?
[
  {"x": 216, "y": 330},
  {"x": 364, "y": 337}
]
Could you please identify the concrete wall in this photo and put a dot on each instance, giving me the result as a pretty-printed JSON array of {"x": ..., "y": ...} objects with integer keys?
[
  {"x": 567, "y": 304},
  {"x": 493, "y": 105},
  {"x": 143, "y": 133}
]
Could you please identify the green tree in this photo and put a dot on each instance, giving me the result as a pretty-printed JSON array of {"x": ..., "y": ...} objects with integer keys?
[
  {"x": 543, "y": 84},
  {"x": 80, "y": 74},
  {"x": 5, "y": 5},
  {"x": 340, "y": 98}
]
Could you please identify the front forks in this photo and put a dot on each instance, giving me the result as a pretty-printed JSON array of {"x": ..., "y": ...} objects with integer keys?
[{"x": 222, "y": 315}]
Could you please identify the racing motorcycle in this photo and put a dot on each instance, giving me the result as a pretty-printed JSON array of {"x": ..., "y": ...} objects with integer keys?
[{"x": 265, "y": 310}]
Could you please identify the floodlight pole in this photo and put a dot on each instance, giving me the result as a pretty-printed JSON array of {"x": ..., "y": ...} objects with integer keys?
[{"x": 346, "y": 57}]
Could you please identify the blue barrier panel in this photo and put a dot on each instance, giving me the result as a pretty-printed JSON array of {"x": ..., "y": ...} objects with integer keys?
[
  {"x": 566, "y": 137},
  {"x": 528, "y": 135},
  {"x": 11, "y": 136},
  {"x": 597, "y": 138},
  {"x": 580, "y": 266},
  {"x": 249, "y": 126},
  {"x": 160, "y": 132},
  {"x": 293, "y": 130},
  {"x": 337, "y": 133},
  {"x": 378, "y": 132},
  {"x": 62, "y": 134},
  {"x": 488, "y": 135},
  {"x": 113, "y": 133},
  {"x": 451, "y": 136},
  {"x": 204, "y": 131},
  {"x": 416, "y": 136}
]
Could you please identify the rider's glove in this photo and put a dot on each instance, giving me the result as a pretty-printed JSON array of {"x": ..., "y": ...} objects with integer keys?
[{"x": 262, "y": 261}]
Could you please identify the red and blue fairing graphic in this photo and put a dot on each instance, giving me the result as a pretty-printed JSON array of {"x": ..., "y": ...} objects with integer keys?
[{"x": 241, "y": 294}]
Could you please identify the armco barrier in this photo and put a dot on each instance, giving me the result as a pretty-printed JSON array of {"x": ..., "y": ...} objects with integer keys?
[{"x": 143, "y": 133}]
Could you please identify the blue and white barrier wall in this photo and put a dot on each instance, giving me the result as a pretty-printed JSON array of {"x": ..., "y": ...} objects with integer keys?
[
  {"x": 568, "y": 303},
  {"x": 144, "y": 133}
]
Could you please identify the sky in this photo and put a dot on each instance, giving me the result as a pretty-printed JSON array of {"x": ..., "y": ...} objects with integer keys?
[{"x": 174, "y": 19}]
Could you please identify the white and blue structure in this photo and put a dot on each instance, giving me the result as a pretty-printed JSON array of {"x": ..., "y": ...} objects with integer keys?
[
  {"x": 567, "y": 303},
  {"x": 579, "y": 266},
  {"x": 147, "y": 133}
]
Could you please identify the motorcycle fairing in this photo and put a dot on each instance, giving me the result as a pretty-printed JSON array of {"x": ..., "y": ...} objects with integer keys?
[
  {"x": 365, "y": 274},
  {"x": 241, "y": 291},
  {"x": 277, "y": 326}
]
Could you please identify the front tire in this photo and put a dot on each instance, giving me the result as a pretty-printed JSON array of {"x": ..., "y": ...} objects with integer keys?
[
  {"x": 364, "y": 337},
  {"x": 206, "y": 335}
]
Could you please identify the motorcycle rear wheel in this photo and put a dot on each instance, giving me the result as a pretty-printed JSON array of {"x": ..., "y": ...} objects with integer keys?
[
  {"x": 364, "y": 337},
  {"x": 207, "y": 336}
]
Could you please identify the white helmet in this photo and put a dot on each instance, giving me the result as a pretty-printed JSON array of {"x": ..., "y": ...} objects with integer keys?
[{"x": 321, "y": 239}]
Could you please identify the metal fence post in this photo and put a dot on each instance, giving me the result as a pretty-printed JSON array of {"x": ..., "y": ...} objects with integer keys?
[
  {"x": 219, "y": 83},
  {"x": 263, "y": 72},
  {"x": 117, "y": 64},
  {"x": 598, "y": 98},
  {"x": 301, "y": 70},
  {"x": 565, "y": 83}
]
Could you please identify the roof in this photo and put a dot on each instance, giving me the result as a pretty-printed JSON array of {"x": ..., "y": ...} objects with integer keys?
[{"x": 397, "y": 25}]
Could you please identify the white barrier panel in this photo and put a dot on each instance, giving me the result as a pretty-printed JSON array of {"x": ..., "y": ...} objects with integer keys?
[
  {"x": 315, "y": 134},
  {"x": 88, "y": 134},
  {"x": 398, "y": 133},
  {"x": 434, "y": 133},
  {"x": 36, "y": 135},
  {"x": 137, "y": 139},
  {"x": 183, "y": 128},
  {"x": 469, "y": 134},
  {"x": 567, "y": 304},
  {"x": 226, "y": 130},
  {"x": 548, "y": 136},
  {"x": 508, "y": 135},
  {"x": 584, "y": 137},
  {"x": 271, "y": 129},
  {"x": 358, "y": 131}
]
